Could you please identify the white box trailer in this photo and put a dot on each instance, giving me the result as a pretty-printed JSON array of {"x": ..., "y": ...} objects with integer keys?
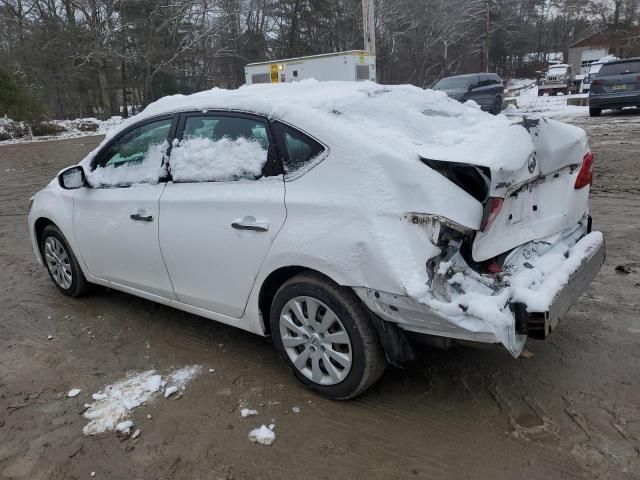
[{"x": 353, "y": 65}]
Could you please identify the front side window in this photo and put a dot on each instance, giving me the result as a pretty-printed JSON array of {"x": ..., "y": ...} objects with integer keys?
[
  {"x": 220, "y": 149},
  {"x": 301, "y": 150},
  {"x": 136, "y": 157}
]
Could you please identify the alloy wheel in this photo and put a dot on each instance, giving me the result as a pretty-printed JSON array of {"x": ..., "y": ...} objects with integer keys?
[
  {"x": 315, "y": 341},
  {"x": 58, "y": 262}
]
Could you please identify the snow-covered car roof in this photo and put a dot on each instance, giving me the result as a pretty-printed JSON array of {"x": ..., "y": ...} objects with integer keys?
[{"x": 370, "y": 118}]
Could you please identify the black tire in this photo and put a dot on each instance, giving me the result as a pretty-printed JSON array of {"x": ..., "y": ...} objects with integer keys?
[
  {"x": 496, "y": 108},
  {"x": 78, "y": 285},
  {"x": 595, "y": 112},
  {"x": 368, "y": 360},
  {"x": 540, "y": 92}
]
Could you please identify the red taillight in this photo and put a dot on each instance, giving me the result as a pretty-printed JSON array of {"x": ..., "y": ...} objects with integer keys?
[
  {"x": 491, "y": 211},
  {"x": 585, "y": 175},
  {"x": 596, "y": 82}
]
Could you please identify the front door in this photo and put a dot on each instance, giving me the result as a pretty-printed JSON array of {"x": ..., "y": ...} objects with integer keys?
[
  {"x": 222, "y": 211},
  {"x": 116, "y": 220}
]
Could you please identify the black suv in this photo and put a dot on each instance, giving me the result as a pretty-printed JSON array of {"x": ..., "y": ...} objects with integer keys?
[
  {"x": 486, "y": 89},
  {"x": 616, "y": 85}
]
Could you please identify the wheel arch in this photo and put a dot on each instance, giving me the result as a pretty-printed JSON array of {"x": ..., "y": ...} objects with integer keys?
[
  {"x": 38, "y": 227},
  {"x": 272, "y": 284}
]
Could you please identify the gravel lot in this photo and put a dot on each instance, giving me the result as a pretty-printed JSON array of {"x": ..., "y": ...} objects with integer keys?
[{"x": 570, "y": 411}]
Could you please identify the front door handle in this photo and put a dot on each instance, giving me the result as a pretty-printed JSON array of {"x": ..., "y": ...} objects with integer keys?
[
  {"x": 249, "y": 223},
  {"x": 141, "y": 217}
]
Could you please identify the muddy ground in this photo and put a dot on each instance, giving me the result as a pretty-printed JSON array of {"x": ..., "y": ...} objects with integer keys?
[{"x": 570, "y": 411}]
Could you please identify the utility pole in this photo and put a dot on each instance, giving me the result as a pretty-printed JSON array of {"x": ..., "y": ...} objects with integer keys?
[
  {"x": 487, "y": 37},
  {"x": 369, "y": 26}
]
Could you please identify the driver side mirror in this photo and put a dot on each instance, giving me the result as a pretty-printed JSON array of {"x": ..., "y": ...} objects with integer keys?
[
  {"x": 72, "y": 178},
  {"x": 472, "y": 86}
]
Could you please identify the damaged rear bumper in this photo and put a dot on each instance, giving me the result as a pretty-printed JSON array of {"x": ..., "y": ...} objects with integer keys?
[
  {"x": 530, "y": 301},
  {"x": 539, "y": 325}
]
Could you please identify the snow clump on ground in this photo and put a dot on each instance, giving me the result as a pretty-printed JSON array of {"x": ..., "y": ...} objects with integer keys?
[{"x": 115, "y": 403}]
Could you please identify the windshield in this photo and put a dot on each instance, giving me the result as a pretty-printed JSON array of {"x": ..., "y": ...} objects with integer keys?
[
  {"x": 620, "y": 68},
  {"x": 452, "y": 83}
]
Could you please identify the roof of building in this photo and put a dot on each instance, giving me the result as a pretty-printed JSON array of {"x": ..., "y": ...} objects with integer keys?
[
  {"x": 310, "y": 57},
  {"x": 610, "y": 36}
]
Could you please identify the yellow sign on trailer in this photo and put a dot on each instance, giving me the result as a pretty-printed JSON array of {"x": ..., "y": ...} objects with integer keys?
[{"x": 275, "y": 73}]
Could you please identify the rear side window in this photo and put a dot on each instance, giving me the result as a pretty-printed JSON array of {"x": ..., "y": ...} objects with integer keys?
[
  {"x": 619, "y": 68},
  {"x": 220, "y": 149},
  {"x": 300, "y": 149}
]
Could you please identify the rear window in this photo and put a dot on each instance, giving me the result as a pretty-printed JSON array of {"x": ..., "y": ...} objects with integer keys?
[
  {"x": 619, "y": 68},
  {"x": 453, "y": 82},
  {"x": 301, "y": 150}
]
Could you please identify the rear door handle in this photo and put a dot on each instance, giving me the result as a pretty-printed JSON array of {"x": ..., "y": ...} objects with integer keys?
[
  {"x": 141, "y": 217},
  {"x": 249, "y": 223}
]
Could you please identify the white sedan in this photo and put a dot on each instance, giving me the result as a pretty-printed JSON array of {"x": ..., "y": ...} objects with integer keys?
[{"x": 340, "y": 218}]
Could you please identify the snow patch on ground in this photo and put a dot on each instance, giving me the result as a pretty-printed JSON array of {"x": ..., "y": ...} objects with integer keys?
[
  {"x": 170, "y": 391},
  {"x": 115, "y": 402},
  {"x": 73, "y": 392},
  {"x": 547, "y": 106},
  {"x": 262, "y": 435},
  {"x": 205, "y": 160},
  {"x": 247, "y": 412}
]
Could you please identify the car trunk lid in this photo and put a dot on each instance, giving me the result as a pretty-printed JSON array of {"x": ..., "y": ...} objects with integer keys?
[{"x": 528, "y": 193}]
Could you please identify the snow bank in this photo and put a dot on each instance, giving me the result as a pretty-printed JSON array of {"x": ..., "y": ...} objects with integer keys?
[
  {"x": 114, "y": 404},
  {"x": 547, "y": 106},
  {"x": 205, "y": 160},
  {"x": 19, "y": 132}
]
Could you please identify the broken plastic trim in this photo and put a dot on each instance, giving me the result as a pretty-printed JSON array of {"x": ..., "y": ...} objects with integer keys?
[
  {"x": 439, "y": 229},
  {"x": 473, "y": 179}
]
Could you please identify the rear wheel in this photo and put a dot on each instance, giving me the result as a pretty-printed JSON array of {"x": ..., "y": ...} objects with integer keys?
[
  {"x": 595, "y": 112},
  {"x": 323, "y": 333},
  {"x": 496, "y": 108},
  {"x": 61, "y": 263}
]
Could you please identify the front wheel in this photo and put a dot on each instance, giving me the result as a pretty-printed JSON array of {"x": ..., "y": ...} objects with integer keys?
[
  {"x": 61, "y": 263},
  {"x": 595, "y": 112},
  {"x": 324, "y": 334}
]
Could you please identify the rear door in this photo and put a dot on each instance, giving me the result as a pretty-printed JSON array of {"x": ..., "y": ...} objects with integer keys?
[
  {"x": 116, "y": 220},
  {"x": 475, "y": 92},
  {"x": 486, "y": 90},
  {"x": 222, "y": 210}
]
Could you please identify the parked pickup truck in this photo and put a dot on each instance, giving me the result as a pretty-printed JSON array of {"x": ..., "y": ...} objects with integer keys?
[{"x": 559, "y": 78}]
